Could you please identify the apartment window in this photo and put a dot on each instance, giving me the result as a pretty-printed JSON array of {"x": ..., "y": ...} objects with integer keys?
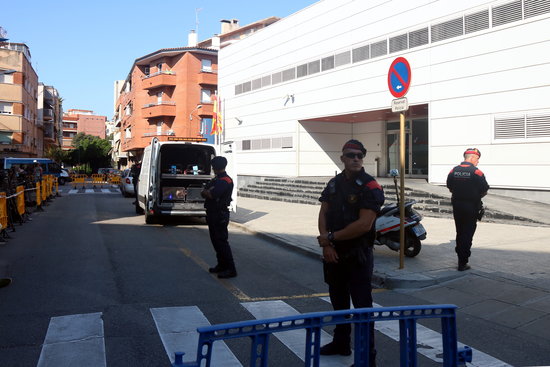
[
  {"x": 159, "y": 67},
  {"x": 205, "y": 95},
  {"x": 159, "y": 98},
  {"x": 128, "y": 133},
  {"x": 206, "y": 65},
  {"x": 6, "y": 107},
  {"x": 147, "y": 70},
  {"x": 5, "y": 137},
  {"x": 159, "y": 127},
  {"x": 6, "y": 78}
]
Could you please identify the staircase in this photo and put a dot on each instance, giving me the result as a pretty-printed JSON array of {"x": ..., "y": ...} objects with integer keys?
[{"x": 308, "y": 191}]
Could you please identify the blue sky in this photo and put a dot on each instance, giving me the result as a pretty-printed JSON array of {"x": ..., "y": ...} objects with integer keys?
[{"x": 81, "y": 47}]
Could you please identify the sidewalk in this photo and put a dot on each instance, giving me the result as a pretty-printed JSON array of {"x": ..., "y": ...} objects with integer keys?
[{"x": 516, "y": 252}]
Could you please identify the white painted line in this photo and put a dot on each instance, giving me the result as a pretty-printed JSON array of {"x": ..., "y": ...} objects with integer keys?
[
  {"x": 73, "y": 191},
  {"x": 90, "y": 191},
  {"x": 429, "y": 343},
  {"x": 74, "y": 340},
  {"x": 177, "y": 327},
  {"x": 106, "y": 191},
  {"x": 294, "y": 340}
]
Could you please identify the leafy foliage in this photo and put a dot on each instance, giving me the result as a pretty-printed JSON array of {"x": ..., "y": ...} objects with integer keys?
[{"x": 91, "y": 150}]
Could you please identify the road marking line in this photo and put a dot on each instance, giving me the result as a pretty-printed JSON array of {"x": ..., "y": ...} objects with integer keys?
[
  {"x": 429, "y": 343},
  {"x": 295, "y": 339},
  {"x": 177, "y": 327},
  {"x": 74, "y": 340}
]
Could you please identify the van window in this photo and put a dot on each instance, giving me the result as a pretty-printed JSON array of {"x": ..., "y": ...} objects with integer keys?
[{"x": 186, "y": 159}]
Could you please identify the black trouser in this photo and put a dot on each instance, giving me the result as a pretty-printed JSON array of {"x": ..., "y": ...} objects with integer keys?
[
  {"x": 465, "y": 216},
  {"x": 217, "y": 227},
  {"x": 351, "y": 277}
]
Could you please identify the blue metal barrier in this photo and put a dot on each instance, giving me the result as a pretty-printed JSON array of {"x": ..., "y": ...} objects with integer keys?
[{"x": 260, "y": 330}]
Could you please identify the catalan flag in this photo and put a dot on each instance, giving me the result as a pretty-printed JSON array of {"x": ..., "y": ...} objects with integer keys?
[{"x": 217, "y": 115}]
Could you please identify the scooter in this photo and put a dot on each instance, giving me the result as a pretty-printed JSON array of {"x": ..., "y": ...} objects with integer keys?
[{"x": 388, "y": 224}]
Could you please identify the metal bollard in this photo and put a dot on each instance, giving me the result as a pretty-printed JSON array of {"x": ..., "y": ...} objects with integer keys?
[{"x": 179, "y": 359}]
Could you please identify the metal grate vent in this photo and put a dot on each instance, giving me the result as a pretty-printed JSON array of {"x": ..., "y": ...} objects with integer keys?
[
  {"x": 418, "y": 38},
  {"x": 379, "y": 48},
  {"x": 399, "y": 43},
  {"x": 276, "y": 78},
  {"x": 449, "y": 29},
  {"x": 342, "y": 59},
  {"x": 266, "y": 80},
  {"x": 476, "y": 21},
  {"x": 257, "y": 83},
  {"x": 301, "y": 70},
  {"x": 313, "y": 67},
  {"x": 360, "y": 53},
  {"x": 289, "y": 74},
  {"x": 238, "y": 89},
  {"x": 538, "y": 126},
  {"x": 510, "y": 127},
  {"x": 507, "y": 13},
  {"x": 536, "y": 7},
  {"x": 247, "y": 87},
  {"x": 327, "y": 63}
]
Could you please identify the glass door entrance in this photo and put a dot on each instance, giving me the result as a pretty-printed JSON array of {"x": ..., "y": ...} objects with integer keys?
[{"x": 416, "y": 147}]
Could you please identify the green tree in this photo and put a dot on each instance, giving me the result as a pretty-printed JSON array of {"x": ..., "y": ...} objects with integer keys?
[
  {"x": 57, "y": 154},
  {"x": 91, "y": 151}
]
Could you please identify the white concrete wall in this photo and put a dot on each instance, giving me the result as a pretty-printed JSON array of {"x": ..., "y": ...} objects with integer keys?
[{"x": 466, "y": 81}]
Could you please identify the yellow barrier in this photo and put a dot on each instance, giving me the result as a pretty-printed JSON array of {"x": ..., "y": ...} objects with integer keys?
[
  {"x": 38, "y": 195},
  {"x": 44, "y": 190},
  {"x": 114, "y": 180},
  {"x": 3, "y": 210},
  {"x": 56, "y": 185},
  {"x": 20, "y": 200},
  {"x": 79, "y": 179},
  {"x": 98, "y": 179}
]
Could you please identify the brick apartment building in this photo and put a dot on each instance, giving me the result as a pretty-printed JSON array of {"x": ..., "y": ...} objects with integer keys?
[
  {"x": 81, "y": 121},
  {"x": 21, "y": 133},
  {"x": 168, "y": 93}
]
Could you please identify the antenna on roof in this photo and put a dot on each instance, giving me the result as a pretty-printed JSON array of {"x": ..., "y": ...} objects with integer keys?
[{"x": 197, "y": 10}]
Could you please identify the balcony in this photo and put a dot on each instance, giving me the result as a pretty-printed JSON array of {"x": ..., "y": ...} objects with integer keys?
[
  {"x": 160, "y": 79},
  {"x": 208, "y": 78},
  {"x": 47, "y": 113},
  {"x": 159, "y": 109}
]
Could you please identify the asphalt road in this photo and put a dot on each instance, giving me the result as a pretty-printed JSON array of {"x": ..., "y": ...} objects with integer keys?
[{"x": 88, "y": 259}]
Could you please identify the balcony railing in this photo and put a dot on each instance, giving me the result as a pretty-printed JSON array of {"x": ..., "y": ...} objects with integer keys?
[
  {"x": 47, "y": 114},
  {"x": 164, "y": 108},
  {"x": 208, "y": 78},
  {"x": 159, "y": 79}
]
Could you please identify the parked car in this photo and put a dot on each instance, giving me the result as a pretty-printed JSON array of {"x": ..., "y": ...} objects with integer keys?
[
  {"x": 108, "y": 171},
  {"x": 126, "y": 183}
]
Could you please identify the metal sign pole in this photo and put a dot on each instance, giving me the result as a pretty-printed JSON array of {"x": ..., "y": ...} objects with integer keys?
[{"x": 402, "y": 189}]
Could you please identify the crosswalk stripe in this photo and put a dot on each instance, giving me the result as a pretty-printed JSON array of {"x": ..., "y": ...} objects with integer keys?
[
  {"x": 430, "y": 343},
  {"x": 74, "y": 340},
  {"x": 295, "y": 339},
  {"x": 177, "y": 327},
  {"x": 92, "y": 191}
]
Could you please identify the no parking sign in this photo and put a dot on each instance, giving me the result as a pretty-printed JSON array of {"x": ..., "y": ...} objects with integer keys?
[{"x": 399, "y": 77}]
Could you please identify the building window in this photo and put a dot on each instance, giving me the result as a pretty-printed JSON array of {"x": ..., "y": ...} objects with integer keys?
[
  {"x": 6, "y": 78},
  {"x": 147, "y": 70},
  {"x": 128, "y": 133},
  {"x": 6, "y": 107},
  {"x": 206, "y": 65},
  {"x": 205, "y": 95},
  {"x": 159, "y": 67}
]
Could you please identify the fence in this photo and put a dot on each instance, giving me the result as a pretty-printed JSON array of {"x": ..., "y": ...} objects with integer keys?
[
  {"x": 95, "y": 179},
  {"x": 260, "y": 330}
]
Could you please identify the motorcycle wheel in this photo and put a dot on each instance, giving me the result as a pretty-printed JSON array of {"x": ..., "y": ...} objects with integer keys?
[{"x": 412, "y": 245}]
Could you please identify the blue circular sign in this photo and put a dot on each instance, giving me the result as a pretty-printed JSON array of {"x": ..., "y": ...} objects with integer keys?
[{"x": 399, "y": 77}]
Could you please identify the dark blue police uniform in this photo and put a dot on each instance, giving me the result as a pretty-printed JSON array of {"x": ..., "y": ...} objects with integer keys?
[
  {"x": 217, "y": 218},
  {"x": 351, "y": 276},
  {"x": 468, "y": 185}
]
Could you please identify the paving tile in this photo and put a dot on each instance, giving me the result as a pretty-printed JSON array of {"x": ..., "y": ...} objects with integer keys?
[
  {"x": 539, "y": 328},
  {"x": 541, "y": 304},
  {"x": 486, "y": 309},
  {"x": 447, "y": 295},
  {"x": 516, "y": 317}
]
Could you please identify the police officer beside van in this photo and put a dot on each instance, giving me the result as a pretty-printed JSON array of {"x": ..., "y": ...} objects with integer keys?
[
  {"x": 468, "y": 185},
  {"x": 217, "y": 195}
]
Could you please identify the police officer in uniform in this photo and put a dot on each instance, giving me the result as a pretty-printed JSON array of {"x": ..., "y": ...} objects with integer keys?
[
  {"x": 349, "y": 206},
  {"x": 468, "y": 185},
  {"x": 218, "y": 197}
]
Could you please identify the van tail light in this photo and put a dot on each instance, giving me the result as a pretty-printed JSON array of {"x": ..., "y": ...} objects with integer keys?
[{"x": 128, "y": 181}]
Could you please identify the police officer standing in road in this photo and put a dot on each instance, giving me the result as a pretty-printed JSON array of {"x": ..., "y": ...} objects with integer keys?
[
  {"x": 349, "y": 206},
  {"x": 468, "y": 185},
  {"x": 218, "y": 197}
]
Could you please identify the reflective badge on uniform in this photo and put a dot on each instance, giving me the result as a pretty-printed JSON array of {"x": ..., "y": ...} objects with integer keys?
[{"x": 352, "y": 199}]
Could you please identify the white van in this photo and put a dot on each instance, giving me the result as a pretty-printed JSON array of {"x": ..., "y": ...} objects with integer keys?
[{"x": 172, "y": 176}]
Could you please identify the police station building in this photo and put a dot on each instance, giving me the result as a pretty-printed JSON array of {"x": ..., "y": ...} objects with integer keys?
[{"x": 295, "y": 91}]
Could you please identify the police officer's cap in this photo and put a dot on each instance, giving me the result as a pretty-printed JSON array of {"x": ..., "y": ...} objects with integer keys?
[
  {"x": 472, "y": 151},
  {"x": 219, "y": 162},
  {"x": 354, "y": 144}
]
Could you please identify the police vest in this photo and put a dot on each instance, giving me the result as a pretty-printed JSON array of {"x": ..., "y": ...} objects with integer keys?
[{"x": 466, "y": 182}]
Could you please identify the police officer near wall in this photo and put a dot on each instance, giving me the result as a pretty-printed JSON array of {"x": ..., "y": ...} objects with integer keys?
[
  {"x": 468, "y": 185},
  {"x": 349, "y": 206},
  {"x": 217, "y": 195}
]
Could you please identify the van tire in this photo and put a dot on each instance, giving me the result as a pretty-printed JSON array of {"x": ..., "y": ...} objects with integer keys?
[{"x": 150, "y": 218}]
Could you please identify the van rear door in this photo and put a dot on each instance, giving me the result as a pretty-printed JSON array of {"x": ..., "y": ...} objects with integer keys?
[{"x": 152, "y": 192}]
